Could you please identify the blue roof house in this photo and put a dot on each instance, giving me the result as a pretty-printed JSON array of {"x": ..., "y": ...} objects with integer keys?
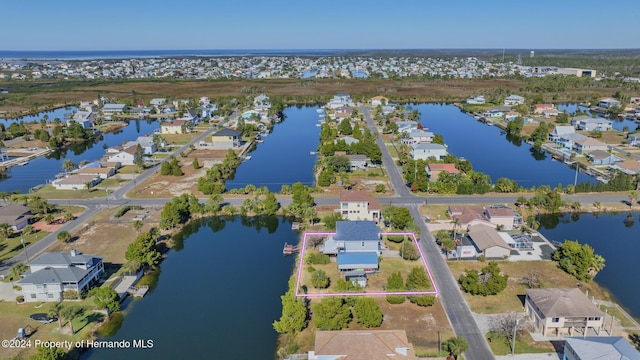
[{"x": 356, "y": 244}]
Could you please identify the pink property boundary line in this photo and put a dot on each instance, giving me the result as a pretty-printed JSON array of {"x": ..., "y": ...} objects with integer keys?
[{"x": 415, "y": 241}]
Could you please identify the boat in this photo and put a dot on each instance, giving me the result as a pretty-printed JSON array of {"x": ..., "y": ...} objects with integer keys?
[
  {"x": 248, "y": 157},
  {"x": 319, "y": 125},
  {"x": 288, "y": 249},
  {"x": 312, "y": 153}
]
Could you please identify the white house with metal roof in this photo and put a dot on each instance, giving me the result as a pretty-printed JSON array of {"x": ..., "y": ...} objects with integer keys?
[
  {"x": 600, "y": 348},
  {"x": 53, "y": 273},
  {"x": 425, "y": 151}
]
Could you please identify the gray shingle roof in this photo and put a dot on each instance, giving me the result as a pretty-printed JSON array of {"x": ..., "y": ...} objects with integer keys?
[
  {"x": 356, "y": 231},
  {"x": 603, "y": 348},
  {"x": 58, "y": 259},
  {"x": 54, "y": 276},
  {"x": 228, "y": 132}
]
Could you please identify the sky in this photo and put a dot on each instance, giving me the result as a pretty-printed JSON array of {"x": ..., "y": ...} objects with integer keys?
[{"x": 313, "y": 24}]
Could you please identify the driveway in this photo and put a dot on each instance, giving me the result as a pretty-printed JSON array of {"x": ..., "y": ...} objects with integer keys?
[{"x": 6, "y": 292}]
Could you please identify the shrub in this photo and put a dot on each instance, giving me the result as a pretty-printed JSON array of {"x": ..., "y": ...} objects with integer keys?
[
  {"x": 396, "y": 238},
  {"x": 317, "y": 258},
  {"x": 311, "y": 269},
  {"x": 123, "y": 210},
  {"x": 423, "y": 300},
  {"x": 368, "y": 312},
  {"x": 482, "y": 258},
  {"x": 410, "y": 251},
  {"x": 380, "y": 188},
  {"x": 19, "y": 299},
  {"x": 70, "y": 295},
  {"x": 319, "y": 279}
]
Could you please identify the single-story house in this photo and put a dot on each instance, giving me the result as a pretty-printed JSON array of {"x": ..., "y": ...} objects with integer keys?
[
  {"x": 600, "y": 157},
  {"x": 586, "y": 123},
  {"x": 492, "y": 216},
  {"x": 633, "y": 140},
  {"x": 406, "y": 126},
  {"x": 226, "y": 139},
  {"x": 53, "y": 273},
  {"x": 434, "y": 170},
  {"x": 173, "y": 127},
  {"x": 358, "y": 261},
  {"x": 560, "y": 311},
  {"x": 488, "y": 242},
  {"x": 261, "y": 102},
  {"x": 349, "y": 140},
  {"x": 362, "y": 344},
  {"x": 599, "y": 347},
  {"x": 493, "y": 113},
  {"x": 378, "y": 100},
  {"x": 513, "y": 100},
  {"x": 425, "y": 151},
  {"x": 76, "y": 182},
  {"x": 476, "y": 100},
  {"x": 587, "y": 145},
  {"x": 102, "y": 172},
  {"x": 543, "y": 108},
  {"x": 357, "y": 205},
  {"x": 358, "y": 162},
  {"x": 114, "y": 108},
  {"x": 608, "y": 103},
  {"x": 627, "y": 166},
  {"x": 157, "y": 101},
  {"x": 16, "y": 215},
  {"x": 511, "y": 115}
]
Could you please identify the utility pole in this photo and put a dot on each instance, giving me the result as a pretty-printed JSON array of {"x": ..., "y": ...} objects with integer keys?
[
  {"x": 515, "y": 329},
  {"x": 26, "y": 254}
]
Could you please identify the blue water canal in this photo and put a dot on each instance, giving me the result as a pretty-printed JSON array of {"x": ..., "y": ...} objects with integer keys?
[
  {"x": 44, "y": 169},
  {"x": 618, "y": 123},
  {"x": 614, "y": 236},
  {"x": 490, "y": 152},
  {"x": 284, "y": 156},
  {"x": 217, "y": 295}
]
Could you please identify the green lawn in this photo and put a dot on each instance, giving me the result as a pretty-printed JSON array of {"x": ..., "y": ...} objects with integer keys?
[
  {"x": 112, "y": 183},
  {"x": 11, "y": 246},
  {"x": 49, "y": 192},
  {"x": 524, "y": 345}
]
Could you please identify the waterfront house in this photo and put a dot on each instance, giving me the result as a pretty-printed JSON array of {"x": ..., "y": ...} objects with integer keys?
[
  {"x": 406, "y": 126},
  {"x": 599, "y": 348},
  {"x": 418, "y": 136},
  {"x": 378, "y": 101},
  {"x": 84, "y": 117},
  {"x": 600, "y": 157},
  {"x": 261, "y": 102},
  {"x": 358, "y": 162},
  {"x": 587, "y": 123},
  {"x": 434, "y": 170},
  {"x": 146, "y": 142},
  {"x": 513, "y": 100},
  {"x": 226, "y": 139},
  {"x": 493, "y": 113},
  {"x": 543, "y": 108},
  {"x": 633, "y": 140},
  {"x": 608, "y": 103},
  {"x": 562, "y": 311},
  {"x": 488, "y": 242},
  {"x": 476, "y": 100},
  {"x": 16, "y": 215},
  {"x": 125, "y": 157},
  {"x": 357, "y": 205},
  {"x": 101, "y": 172},
  {"x": 426, "y": 151},
  {"x": 53, "y": 273},
  {"x": 362, "y": 344},
  {"x": 559, "y": 132},
  {"x": 340, "y": 100},
  {"x": 157, "y": 101},
  {"x": 173, "y": 127},
  {"x": 356, "y": 245},
  {"x": 627, "y": 166},
  {"x": 587, "y": 145},
  {"x": 511, "y": 115},
  {"x": 492, "y": 216},
  {"x": 191, "y": 115},
  {"x": 568, "y": 141},
  {"x": 76, "y": 182},
  {"x": 504, "y": 217},
  {"x": 114, "y": 108}
]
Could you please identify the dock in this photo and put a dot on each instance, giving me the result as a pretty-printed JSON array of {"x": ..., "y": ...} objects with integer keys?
[
  {"x": 289, "y": 249},
  {"x": 138, "y": 292},
  {"x": 24, "y": 160}
]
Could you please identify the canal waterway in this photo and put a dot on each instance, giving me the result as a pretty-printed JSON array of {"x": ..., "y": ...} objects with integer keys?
[
  {"x": 618, "y": 123},
  {"x": 615, "y": 236},
  {"x": 217, "y": 295},
  {"x": 490, "y": 152},
  {"x": 44, "y": 169},
  {"x": 285, "y": 155}
]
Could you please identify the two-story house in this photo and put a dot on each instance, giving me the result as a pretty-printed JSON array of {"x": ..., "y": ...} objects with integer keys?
[
  {"x": 357, "y": 205},
  {"x": 562, "y": 311},
  {"x": 587, "y": 123},
  {"x": 356, "y": 245},
  {"x": 53, "y": 273},
  {"x": 425, "y": 151},
  {"x": 226, "y": 139}
]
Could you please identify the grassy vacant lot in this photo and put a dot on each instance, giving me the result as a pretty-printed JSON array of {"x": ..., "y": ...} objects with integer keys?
[
  {"x": 524, "y": 345},
  {"x": 512, "y": 298},
  {"x": 13, "y": 245},
  {"x": 49, "y": 192}
]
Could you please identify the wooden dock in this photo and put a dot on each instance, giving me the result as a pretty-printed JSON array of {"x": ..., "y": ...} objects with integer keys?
[
  {"x": 24, "y": 160},
  {"x": 139, "y": 291}
]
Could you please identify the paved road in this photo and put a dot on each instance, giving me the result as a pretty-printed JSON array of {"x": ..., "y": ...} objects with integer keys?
[{"x": 453, "y": 302}]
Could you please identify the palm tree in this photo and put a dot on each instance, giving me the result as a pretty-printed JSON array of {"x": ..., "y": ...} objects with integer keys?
[
  {"x": 137, "y": 225},
  {"x": 55, "y": 311},
  {"x": 456, "y": 346},
  {"x": 67, "y": 216},
  {"x": 633, "y": 198},
  {"x": 70, "y": 313},
  {"x": 596, "y": 265},
  {"x": 68, "y": 165}
]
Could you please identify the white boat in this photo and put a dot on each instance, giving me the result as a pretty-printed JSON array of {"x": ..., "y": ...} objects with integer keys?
[
  {"x": 247, "y": 157},
  {"x": 312, "y": 152},
  {"x": 320, "y": 110},
  {"x": 319, "y": 125}
]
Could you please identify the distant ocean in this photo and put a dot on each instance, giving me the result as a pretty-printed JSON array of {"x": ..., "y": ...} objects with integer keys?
[{"x": 131, "y": 54}]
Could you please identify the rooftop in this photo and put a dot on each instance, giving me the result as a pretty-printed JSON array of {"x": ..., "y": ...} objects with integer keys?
[
  {"x": 486, "y": 237},
  {"x": 363, "y": 345},
  {"x": 356, "y": 231},
  {"x": 603, "y": 348},
  {"x": 563, "y": 302}
]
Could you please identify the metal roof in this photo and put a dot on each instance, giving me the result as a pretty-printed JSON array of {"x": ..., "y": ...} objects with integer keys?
[{"x": 356, "y": 231}]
